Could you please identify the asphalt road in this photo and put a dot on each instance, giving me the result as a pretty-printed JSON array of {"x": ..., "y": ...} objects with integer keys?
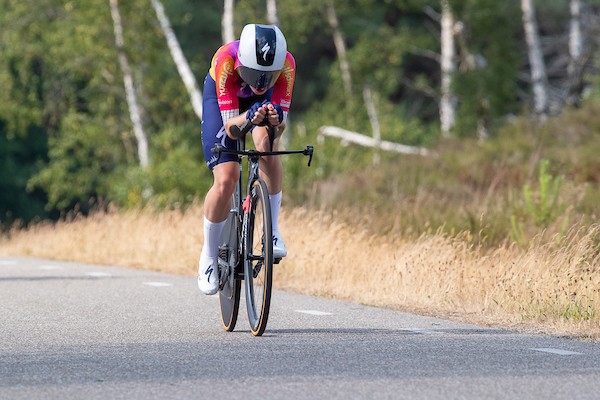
[{"x": 74, "y": 331}]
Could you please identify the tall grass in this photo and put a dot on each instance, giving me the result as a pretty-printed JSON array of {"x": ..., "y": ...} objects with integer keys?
[{"x": 330, "y": 255}]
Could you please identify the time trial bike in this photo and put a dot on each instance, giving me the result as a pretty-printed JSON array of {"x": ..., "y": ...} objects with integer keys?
[{"x": 246, "y": 250}]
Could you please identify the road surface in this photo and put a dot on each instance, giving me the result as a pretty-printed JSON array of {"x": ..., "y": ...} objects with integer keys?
[{"x": 75, "y": 331}]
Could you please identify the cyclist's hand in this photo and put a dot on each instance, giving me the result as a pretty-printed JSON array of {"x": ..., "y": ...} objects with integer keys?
[
  {"x": 274, "y": 114},
  {"x": 257, "y": 112}
]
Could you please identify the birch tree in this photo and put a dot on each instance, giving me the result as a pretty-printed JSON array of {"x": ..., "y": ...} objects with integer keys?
[
  {"x": 179, "y": 58},
  {"x": 575, "y": 35},
  {"x": 447, "y": 65},
  {"x": 272, "y": 16},
  {"x": 227, "y": 29},
  {"x": 134, "y": 109},
  {"x": 375, "y": 126},
  {"x": 575, "y": 52},
  {"x": 340, "y": 46},
  {"x": 536, "y": 61}
]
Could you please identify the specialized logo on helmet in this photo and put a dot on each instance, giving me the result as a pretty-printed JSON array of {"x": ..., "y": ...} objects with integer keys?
[
  {"x": 265, "y": 50},
  {"x": 265, "y": 45}
]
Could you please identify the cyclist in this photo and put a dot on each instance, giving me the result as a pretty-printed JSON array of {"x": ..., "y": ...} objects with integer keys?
[{"x": 250, "y": 79}]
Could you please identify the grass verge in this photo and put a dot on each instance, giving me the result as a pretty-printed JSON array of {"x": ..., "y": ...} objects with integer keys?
[{"x": 548, "y": 286}]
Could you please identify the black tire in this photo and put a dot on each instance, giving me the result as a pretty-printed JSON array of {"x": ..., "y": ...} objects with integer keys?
[
  {"x": 229, "y": 290},
  {"x": 258, "y": 258},
  {"x": 229, "y": 299}
]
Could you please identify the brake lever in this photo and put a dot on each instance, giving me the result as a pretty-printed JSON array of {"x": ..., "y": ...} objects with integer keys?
[{"x": 309, "y": 152}]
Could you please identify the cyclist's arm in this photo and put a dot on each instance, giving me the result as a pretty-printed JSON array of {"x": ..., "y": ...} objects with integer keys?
[{"x": 240, "y": 119}]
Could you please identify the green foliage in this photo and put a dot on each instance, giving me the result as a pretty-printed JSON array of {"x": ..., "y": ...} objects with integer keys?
[
  {"x": 19, "y": 157},
  {"x": 130, "y": 187},
  {"x": 577, "y": 311},
  {"x": 543, "y": 205},
  {"x": 81, "y": 158},
  {"x": 66, "y": 134},
  {"x": 486, "y": 81},
  {"x": 177, "y": 174},
  {"x": 62, "y": 79}
]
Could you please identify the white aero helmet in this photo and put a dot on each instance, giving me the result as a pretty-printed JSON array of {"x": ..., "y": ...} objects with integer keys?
[{"x": 261, "y": 55}]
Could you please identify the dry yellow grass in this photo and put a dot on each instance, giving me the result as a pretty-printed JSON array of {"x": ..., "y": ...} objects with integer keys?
[{"x": 551, "y": 288}]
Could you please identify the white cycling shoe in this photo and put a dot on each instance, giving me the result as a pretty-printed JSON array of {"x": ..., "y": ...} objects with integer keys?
[
  {"x": 208, "y": 275},
  {"x": 279, "y": 250}
]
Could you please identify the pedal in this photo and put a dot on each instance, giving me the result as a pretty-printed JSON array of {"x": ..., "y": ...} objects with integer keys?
[{"x": 277, "y": 261}]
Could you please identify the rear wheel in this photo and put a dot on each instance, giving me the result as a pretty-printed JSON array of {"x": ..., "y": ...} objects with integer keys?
[
  {"x": 229, "y": 290},
  {"x": 258, "y": 260},
  {"x": 229, "y": 299}
]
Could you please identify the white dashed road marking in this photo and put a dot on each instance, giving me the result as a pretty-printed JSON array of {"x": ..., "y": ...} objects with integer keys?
[
  {"x": 158, "y": 284},
  {"x": 313, "y": 312},
  {"x": 423, "y": 331},
  {"x": 99, "y": 274},
  {"x": 557, "y": 351},
  {"x": 49, "y": 267},
  {"x": 8, "y": 262}
]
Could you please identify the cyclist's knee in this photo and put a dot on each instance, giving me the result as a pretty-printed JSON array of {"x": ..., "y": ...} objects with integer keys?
[
  {"x": 279, "y": 129},
  {"x": 226, "y": 176},
  {"x": 261, "y": 141}
]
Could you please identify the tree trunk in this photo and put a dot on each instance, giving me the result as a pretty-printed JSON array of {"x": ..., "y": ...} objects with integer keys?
[
  {"x": 134, "y": 110},
  {"x": 227, "y": 22},
  {"x": 575, "y": 54},
  {"x": 447, "y": 101},
  {"x": 375, "y": 126},
  {"x": 536, "y": 60},
  {"x": 340, "y": 46},
  {"x": 272, "y": 17},
  {"x": 367, "y": 141},
  {"x": 179, "y": 58},
  {"x": 575, "y": 36}
]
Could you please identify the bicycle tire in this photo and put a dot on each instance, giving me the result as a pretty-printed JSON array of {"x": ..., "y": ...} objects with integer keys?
[
  {"x": 229, "y": 291},
  {"x": 258, "y": 258}
]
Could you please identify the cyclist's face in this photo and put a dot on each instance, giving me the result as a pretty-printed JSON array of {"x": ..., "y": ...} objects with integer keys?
[{"x": 258, "y": 92}]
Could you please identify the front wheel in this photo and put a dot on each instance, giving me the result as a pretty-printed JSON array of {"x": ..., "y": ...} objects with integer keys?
[{"x": 258, "y": 258}]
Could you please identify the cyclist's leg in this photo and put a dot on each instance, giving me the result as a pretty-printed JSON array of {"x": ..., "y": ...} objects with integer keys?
[
  {"x": 218, "y": 198},
  {"x": 271, "y": 171},
  {"x": 217, "y": 202},
  {"x": 226, "y": 173}
]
